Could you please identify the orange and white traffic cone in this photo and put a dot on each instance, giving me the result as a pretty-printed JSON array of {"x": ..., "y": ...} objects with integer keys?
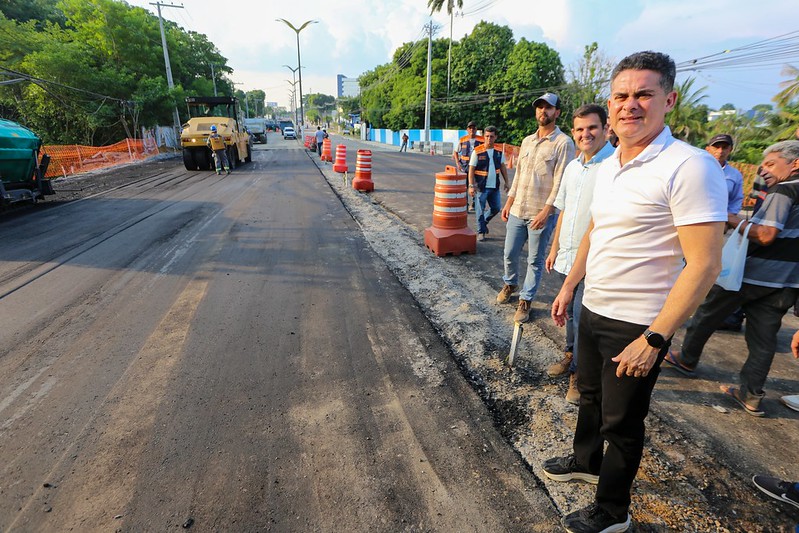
[
  {"x": 341, "y": 159},
  {"x": 326, "y": 152},
  {"x": 363, "y": 172},
  {"x": 450, "y": 233}
]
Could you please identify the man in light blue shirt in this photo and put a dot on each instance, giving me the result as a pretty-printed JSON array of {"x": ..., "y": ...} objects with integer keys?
[
  {"x": 574, "y": 201},
  {"x": 720, "y": 147}
]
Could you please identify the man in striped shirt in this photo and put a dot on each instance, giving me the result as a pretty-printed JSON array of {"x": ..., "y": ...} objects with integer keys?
[{"x": 770, "y": 283}]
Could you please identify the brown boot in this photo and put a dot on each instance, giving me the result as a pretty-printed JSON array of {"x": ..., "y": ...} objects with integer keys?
[
  {"x": 573, "y": 395},
  {"x": 523, "y": 311},
  {"x": 504, "y": 295},
  {"x": 561, "y": 367}
]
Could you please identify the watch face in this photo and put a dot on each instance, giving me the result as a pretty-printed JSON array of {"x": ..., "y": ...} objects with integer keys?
[{"x": 655, "y": 340}]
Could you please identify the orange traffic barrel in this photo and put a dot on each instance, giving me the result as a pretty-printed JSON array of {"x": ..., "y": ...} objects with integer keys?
[
  {"x": 341, "y": 159},
  {"x": 450, "y": 233},
  {"x": 326, "y": 152},
  {"x": 308, "y": 142},
  {"x": 363, "y": 172}
]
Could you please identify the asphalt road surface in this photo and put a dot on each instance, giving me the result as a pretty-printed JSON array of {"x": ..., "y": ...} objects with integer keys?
[{"x": 227, "y": 354}]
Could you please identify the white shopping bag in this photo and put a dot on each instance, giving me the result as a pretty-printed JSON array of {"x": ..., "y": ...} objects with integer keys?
[{"x": 733, "y": 259}]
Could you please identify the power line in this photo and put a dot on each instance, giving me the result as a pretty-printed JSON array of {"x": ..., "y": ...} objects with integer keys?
[{"x": 40, "y": 81}]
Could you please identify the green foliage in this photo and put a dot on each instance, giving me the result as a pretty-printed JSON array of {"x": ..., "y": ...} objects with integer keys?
[
  {"x": 494, "y": 81},
  {"x": 319, "y": 107},
  {"x": 40, "y": 12},
  {"x": 688, "y": 118},
  {"x": 438, "y": 5},
  {"x": 101, "y": 47},
  {"x": 589, "y": 79},
  {"x": 532, "y": 69}
]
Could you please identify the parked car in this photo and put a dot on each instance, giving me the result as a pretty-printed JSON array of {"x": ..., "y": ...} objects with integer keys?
[{"x": 288, "y": 133}]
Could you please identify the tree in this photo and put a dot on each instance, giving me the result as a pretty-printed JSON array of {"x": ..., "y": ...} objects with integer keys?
[
  {"x": 107, "y": 60},
  {"x": 436, "y": 5},
  {"x": 727, "y": 107},
  {"x": 532, "y": 68},
  {"x": 319, "y": 107},
  {"x": 790, "y": 88},
  {"x": 589, "y": 78},
  {"x": 687, "y": 119}
]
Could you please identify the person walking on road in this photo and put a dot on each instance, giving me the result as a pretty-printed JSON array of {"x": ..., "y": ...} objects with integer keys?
[
  {"x": 463, "y": 153},
  {"x": 485, "y": 167},
  {"x": 651, "y": 252},
  {"x": 319, "y": 135},
  {"x": 404, "y": 146},
  {"x": 770, "y": 283},
  {"x": 574, "y": 201},
  {"x": 530, "y": 208},
  {"x": 217, "y": 145}
]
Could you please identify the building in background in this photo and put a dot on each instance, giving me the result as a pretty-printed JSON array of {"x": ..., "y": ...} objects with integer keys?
[{"x": 347, "y": 86}]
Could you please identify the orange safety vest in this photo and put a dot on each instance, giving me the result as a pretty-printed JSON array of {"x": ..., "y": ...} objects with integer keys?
[
  {"x": 216, "y": 142},
  {"x": 481, "y": 169},
  {"x": 465, "y": 149}
]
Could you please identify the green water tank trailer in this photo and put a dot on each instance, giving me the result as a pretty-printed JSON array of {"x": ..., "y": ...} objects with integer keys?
[{"x": 21, "y": 172}]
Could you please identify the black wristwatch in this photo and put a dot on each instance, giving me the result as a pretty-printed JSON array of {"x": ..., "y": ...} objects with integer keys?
[{"x": 655, "y": 340}]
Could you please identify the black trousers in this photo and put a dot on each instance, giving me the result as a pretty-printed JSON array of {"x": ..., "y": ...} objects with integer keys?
[{"x": 612, "y": 409}]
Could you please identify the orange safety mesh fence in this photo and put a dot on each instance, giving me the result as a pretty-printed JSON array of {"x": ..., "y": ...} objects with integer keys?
[
  {"x": 73, "y": 158},
  {"x": 749, "y": 172}
]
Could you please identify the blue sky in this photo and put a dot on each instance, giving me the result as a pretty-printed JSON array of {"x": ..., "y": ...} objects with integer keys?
[{"x": 355, "y": 36}]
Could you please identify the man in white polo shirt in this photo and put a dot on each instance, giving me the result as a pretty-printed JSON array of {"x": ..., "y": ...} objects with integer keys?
[{"x": 656, "y": 202}]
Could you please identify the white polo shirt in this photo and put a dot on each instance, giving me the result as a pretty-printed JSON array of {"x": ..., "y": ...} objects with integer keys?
[{"x": 635, "y": 255}]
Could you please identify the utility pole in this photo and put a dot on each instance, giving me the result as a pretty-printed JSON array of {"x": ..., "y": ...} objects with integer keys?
[
  {"x": 169, "y": 80},
  {"x": 213, "y": 78},
  {"x": 430, "y": 28}
]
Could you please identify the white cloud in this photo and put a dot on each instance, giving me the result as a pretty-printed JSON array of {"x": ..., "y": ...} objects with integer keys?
[{"x": 355, "y": 36}]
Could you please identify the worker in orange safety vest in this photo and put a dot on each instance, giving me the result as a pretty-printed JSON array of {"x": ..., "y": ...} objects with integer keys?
[
  {"x": 463, "y": 152},
  {"x": 217, "y": 145}
]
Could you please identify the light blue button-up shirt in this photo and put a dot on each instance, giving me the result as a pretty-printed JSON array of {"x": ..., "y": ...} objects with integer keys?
[
  {"x": 574, "y": 199},
  {"x": 735, "y": 189}
]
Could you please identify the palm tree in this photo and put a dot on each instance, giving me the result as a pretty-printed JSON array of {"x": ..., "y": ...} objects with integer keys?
[
  {"x": 790, "y": 87},
  {"x": 688, "y": 118},
  {"x": 435, "y": 6}
]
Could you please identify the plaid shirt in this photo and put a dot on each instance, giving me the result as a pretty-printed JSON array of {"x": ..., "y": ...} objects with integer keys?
[{"x": 539, "y": 169}]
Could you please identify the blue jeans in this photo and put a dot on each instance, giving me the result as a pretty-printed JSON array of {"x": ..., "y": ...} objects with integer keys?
[
  {"x": 573, "y": 322},
  {"x": 517, "y": 233},
  {"x": 494, "y": 199}
]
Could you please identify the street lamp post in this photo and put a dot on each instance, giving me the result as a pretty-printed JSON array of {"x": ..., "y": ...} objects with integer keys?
[
  {"x": 294, "y": 77},
  {"x": 299, "y": 63},
  {"x": 293, "y": 95}
]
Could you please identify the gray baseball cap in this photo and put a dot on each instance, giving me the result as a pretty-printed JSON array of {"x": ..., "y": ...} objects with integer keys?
[{"x": 550, "y": 98}]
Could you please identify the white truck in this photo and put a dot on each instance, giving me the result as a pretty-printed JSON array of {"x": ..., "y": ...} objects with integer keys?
[{"x": 257, "y": 128}]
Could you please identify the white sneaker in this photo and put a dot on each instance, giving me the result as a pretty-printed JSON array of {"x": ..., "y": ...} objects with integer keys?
[{"x": 791, "y": 402}]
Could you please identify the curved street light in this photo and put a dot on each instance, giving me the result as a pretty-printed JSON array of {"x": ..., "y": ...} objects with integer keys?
[
  {"x": 294, "y": 76},
  {"x": 299, "y": 63}
]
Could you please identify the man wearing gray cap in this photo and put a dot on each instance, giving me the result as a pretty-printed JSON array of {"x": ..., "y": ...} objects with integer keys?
[
  {"x": 720, "y": 147},
  {"x": 530, "y": 208}
]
